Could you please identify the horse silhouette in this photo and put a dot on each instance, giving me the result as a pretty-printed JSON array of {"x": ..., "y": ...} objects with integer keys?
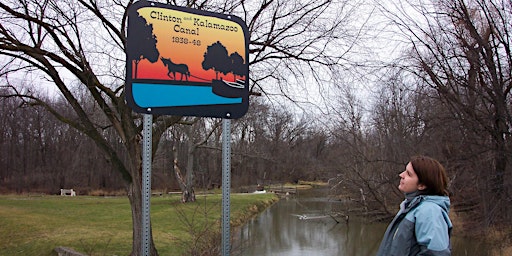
[{"x": 175, "y": 68}]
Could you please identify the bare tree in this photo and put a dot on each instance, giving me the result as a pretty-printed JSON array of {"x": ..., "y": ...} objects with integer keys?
[
  {"x": 195, "y": 134},
  {"x": 51, "y": 36},
  {"x": 461, "y": 50}
]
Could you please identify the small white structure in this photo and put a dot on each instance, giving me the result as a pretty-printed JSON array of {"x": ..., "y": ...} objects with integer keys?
[{"x": 67, "y": 192}]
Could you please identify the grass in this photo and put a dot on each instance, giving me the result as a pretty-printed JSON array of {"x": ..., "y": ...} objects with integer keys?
[{"x": 102, "y": 225}]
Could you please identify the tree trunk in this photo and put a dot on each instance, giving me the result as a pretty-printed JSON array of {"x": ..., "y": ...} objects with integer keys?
[
  {"x": 188, "y": 194},
  {"x": 186, "y": 183}
]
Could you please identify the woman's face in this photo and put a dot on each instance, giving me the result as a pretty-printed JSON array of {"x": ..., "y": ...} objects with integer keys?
[{"x": 409, "y": 180}]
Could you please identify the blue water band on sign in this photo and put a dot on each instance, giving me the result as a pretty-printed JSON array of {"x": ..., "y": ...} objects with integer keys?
[{"x": 164, "y": 95}]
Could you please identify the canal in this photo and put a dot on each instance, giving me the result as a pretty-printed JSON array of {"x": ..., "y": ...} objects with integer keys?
[{"x": 302, "y": 225}]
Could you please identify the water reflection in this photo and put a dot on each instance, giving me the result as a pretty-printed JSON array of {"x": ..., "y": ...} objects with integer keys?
[{"x": 302, "y": 226}]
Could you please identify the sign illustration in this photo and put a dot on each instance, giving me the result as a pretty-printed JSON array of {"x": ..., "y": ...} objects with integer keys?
[{"x": 183, "y": 61}]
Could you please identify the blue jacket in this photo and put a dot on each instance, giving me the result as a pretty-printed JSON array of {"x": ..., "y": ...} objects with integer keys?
[{"x": 421, "y": 227}]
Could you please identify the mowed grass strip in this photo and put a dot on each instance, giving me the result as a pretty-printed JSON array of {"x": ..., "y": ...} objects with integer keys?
[{"x": 103, "y": 226}]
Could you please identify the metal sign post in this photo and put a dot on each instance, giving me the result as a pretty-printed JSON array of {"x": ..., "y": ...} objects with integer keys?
[
  {"x": 226, "y": 185},
  {"x": 146, "y": 182}
]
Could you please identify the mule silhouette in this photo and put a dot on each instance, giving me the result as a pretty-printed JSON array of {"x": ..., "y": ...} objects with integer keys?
[{"x": 175, "y": 68}]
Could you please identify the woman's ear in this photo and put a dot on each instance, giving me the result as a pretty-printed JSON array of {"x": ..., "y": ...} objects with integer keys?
[{"x": 421, "y": 186}]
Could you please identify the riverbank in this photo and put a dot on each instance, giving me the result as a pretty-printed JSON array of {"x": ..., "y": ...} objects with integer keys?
[
  {"x": 499, "y": 241},
  {"x": 35, "y": 225}
]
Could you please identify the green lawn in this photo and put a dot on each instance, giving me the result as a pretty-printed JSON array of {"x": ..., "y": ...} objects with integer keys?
[{"x": 102, "y": 225}]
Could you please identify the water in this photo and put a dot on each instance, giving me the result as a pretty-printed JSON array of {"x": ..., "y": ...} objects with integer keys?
[{"x": 302, "y": 226}]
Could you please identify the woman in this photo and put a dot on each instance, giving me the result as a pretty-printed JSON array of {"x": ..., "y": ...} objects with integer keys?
[{"x": 422, "y": 226}]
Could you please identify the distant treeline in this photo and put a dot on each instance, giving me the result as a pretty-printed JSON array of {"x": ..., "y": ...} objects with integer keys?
[{"x": 360, "y": 158}]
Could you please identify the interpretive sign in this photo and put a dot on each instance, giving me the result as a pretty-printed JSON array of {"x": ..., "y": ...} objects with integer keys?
[{"x": 182, "y": 61}]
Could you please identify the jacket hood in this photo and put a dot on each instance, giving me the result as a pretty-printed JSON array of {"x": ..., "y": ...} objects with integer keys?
[{"x": 442, "y": 201}]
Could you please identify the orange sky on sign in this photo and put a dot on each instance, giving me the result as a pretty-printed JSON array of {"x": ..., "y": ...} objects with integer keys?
[{"x": 190, "y": 54}]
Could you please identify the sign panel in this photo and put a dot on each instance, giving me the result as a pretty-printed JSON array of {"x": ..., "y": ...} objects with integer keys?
[{"x": 182, "y": 61}]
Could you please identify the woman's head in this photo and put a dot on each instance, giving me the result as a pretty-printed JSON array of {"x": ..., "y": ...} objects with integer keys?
[{"x": 425, "y": 174}]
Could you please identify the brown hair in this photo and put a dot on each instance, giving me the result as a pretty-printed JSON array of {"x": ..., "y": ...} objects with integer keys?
[{"x": 431, "y": 174}]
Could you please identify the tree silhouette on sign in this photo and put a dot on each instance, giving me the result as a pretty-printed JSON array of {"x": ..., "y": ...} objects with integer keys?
[
  {"x": 216, "y": 58},
  {"x": 141, "y": 42},
  {"x": 237, "y": 64}
]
